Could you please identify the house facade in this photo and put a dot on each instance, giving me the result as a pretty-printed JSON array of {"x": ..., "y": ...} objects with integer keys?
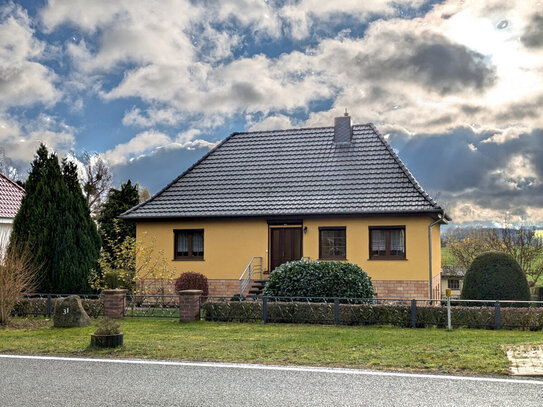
[
  {"x": 260, "y": 199},
  {"x": 452, "y": 278},
  {"x": 11, "y": 195}
]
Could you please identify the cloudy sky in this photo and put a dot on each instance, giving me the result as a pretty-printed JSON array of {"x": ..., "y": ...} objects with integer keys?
[{"x": 456, "y": 86}]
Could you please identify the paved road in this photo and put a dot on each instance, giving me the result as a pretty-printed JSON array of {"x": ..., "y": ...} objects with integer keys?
[{"x": 102, "y": 382}]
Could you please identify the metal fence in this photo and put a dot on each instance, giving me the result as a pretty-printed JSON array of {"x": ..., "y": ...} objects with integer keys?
[
  {"x": 158, "y": 306},
  {"x": 317, "y": 310},
  {"x": 44, "y": 304},
  {"x": 359, "y": 311}
]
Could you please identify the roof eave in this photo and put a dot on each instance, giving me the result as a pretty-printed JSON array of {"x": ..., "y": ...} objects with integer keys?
[{"x": 433, "y": 213}]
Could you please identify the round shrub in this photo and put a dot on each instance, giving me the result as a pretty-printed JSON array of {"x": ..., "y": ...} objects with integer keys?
[
  {"x": 495, "y": 276},
  {"x": 192, "y": 281},
  {"x": 319, "y": 279}
]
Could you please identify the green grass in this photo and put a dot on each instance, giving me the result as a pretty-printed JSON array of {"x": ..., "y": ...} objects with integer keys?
[
  {"x": 446, "y": 258},
  {"x": 466, "y": 351}
]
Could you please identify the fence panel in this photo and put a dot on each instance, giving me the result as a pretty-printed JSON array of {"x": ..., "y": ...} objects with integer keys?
[
  {"x": 44, "y": 304},
  {"x": 382, "y": 311},
  {"x": 158, "y": 306}
]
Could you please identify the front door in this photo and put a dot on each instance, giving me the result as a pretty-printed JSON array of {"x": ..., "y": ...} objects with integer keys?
[{"x": 286, "y": 245}]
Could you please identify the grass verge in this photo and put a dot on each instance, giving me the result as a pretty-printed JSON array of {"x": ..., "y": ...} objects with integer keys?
[{"x": 466, "y": 351}]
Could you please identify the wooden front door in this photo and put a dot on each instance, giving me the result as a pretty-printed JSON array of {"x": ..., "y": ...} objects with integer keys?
[{"x": 285, "y": 245}]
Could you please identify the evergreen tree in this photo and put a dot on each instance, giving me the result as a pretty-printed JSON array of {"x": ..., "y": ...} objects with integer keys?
[
  {"x": 118, "y": 201},
  {"x": 55, "y": 223}
]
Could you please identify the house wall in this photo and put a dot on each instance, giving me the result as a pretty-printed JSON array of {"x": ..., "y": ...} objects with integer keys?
[
  {"x": 455, "y": 294},
  {"x": 5, "y": 232},
  {"x": 230, "y": 245}
]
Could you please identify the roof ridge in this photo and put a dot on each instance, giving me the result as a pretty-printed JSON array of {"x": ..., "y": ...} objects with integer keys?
[
  {"x": 12, "y": 182},
  {"x": 406, "y": 171},
  {"x": 298, "y": 129},
  {"x": 180, "y": 176}
]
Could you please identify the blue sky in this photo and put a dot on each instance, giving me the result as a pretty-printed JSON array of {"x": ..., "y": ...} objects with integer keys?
[{"x": 151, "y": 86}]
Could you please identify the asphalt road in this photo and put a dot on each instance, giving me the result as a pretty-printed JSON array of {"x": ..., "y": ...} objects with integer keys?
[{"x": 102, "y": 382}]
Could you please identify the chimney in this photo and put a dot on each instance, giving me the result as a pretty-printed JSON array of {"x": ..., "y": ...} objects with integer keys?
[{"x": 342, "y": 129}]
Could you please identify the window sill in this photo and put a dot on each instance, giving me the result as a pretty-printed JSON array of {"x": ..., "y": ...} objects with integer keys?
[
  {"x": 388, "y": 259},
  {"x": 188, "y": 260},
  {"x": 334, "y": 259}
]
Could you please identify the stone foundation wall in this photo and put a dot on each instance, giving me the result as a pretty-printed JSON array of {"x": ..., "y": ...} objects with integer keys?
[
  {"x": 224, "y": 288},
  {"x": 408, "y": 289}
]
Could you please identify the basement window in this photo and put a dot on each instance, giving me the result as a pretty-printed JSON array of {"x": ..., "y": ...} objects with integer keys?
[
  {"x": 387, "y": 242},
  {"x": 332, "y": 243},
  {"x": 189, "y": 244}
]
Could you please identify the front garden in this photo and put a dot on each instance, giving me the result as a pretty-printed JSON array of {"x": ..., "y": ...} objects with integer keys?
[{"x": 464, "y": 351}]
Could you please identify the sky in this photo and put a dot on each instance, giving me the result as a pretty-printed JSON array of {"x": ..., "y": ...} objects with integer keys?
[{"x": 456, "y": 87}]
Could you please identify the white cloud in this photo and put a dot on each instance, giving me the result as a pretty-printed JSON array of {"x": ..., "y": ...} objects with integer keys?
[
  {"x": 274, "y": 122},
  {"x": 471, "y": 64},
  {"x": 23, "y": 79},
  {"x": 142, "y": 143},
  {"x": 22, "y": 140}
]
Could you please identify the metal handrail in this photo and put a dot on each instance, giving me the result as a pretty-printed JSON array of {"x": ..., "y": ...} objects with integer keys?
[{"x": 251, "y": 268}]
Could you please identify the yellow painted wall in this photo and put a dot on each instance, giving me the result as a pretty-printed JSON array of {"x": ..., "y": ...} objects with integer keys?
[
  {"x": 230, "y": 245},
  {"x": 416, "y": 242}
]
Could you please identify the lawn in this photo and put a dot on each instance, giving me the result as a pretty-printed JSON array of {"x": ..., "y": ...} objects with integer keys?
[
  {"x": 446, "y": 258},
  {"x": 466, "y": 351}
]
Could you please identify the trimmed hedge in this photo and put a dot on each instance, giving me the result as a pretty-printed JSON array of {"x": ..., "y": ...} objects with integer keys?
[
  {"x": 495, "y": 276},
  {"x": 372, "y": 314},
  {"x": 38, "y": 306},
  {"x": 319, "y": 279}
]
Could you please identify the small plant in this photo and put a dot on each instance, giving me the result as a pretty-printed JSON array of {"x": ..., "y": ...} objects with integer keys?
[
  {"x": 130, "y": 264},
  {"x": 192, "y": 281},
  {"x": 108, "y": 326}
]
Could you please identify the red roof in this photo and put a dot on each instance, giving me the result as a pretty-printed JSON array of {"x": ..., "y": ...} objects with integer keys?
[{"x": 11, "y": 196}]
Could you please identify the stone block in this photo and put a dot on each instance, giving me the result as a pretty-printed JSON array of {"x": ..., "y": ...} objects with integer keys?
[{"x": 69, "y": 312}]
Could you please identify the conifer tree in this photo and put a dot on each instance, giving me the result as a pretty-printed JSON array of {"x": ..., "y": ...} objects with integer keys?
[
  {"x": 118, "y": 201},
  {"x": 55, "y": 223}
]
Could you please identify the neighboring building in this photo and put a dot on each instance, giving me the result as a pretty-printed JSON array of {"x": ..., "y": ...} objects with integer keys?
[
  {"x": 330, "y": 193},
  {"x": 452, "y": 277},
  {"x": 11, "y": 195}
]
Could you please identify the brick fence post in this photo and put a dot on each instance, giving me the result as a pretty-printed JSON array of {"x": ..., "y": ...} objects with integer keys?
[
  {"x": 189, "y": 305},
  {"x": 114, "y": 303}
]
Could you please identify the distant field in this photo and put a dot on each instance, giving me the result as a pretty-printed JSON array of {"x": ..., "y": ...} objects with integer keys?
[
  {"x": 446, "y": 259},
  {"x": 539, "y": 233}
]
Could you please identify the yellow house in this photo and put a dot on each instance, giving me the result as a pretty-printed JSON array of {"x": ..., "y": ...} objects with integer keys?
[{"x": 260, "y": 199}]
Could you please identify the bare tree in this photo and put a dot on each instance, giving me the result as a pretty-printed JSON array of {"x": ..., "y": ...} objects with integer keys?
[
  {"x": 521, "y": 243},
  {"x": 17, "y": 276},
  {"x": 143, "y": 193},
  {"x": 96, "y": 180},
  {"x": 7, "y": 167}
]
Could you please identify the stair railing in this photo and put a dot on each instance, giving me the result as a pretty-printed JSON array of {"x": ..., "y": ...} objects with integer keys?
[{"x": 254, "y": 266}]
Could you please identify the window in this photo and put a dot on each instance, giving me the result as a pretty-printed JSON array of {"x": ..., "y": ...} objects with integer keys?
[
  {"x": 189, "y": 244},
  {"x": 332, "y": 243},
  {"x": 387, "y": 243},
  {"x": 454, "y": 284}
]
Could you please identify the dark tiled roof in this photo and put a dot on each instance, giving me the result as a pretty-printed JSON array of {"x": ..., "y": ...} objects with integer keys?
[
  {"x": 11, "y": 196},
  {"x": 292, "y": 172},
  {"x": 453, "y": 271}
]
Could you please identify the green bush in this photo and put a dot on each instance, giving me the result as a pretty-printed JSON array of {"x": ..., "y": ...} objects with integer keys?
[
  {"x": 495, "y": 276},
  {"x": 319, "y": 279}
]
